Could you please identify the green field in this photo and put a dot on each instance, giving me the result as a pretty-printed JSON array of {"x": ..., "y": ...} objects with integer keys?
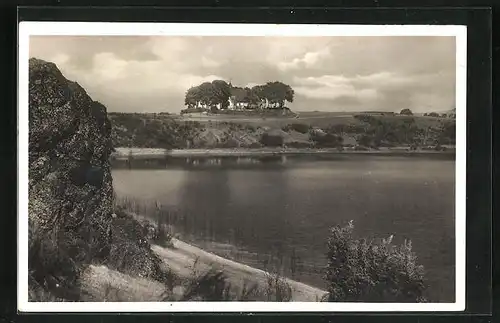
[{"x": 314, "y": 119}]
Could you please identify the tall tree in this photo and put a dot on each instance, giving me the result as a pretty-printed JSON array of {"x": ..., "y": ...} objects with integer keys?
[
  {"x": 221, "y": 92},
  {"x": 259, "y": 91},
  {"x": 207, "y": 94},
  {"x": 251, "y": 97},
  {"x": 277, "y": 93},
  {"x": 192, "y": 97},
  {"x": 218, "y": 92}
]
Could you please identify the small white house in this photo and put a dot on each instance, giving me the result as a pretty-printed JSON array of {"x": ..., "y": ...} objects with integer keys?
[{"x": 234, "y": 105}]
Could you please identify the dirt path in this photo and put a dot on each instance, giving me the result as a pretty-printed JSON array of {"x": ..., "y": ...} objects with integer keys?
[
  {"x": 101, "y": 284},
  {"x": 181, "y": 258},
  {"x": 185, "y": 261}
]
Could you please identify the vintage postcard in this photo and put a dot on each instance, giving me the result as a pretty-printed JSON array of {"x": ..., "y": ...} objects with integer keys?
[{"x": 241, "y": 167}]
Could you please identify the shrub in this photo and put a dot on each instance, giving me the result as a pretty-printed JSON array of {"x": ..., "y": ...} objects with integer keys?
[
  {"x": 407, "y": 112},
  {"x": 358, "y": 270},
  {"x": 277, "y": 289},
  {"x": 211, "y": 286},
  {"x": 328, "y": 140},
  {"x": 250, "y": 128},
  {"x": 271, "y": 140}
]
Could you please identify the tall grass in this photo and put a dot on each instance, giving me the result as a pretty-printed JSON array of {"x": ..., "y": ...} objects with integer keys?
[
  {"x": 213, "y": 285},
  {"x": 53, "y": 272}
]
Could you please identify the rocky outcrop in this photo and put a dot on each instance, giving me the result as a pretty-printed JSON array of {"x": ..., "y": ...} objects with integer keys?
[{"x": 70, "y": 184}]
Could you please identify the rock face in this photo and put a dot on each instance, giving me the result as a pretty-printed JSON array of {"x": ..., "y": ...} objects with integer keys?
[
  {"x": 69, "y": 148},
  {"x": 70, "y": 185},
  {"x": 71, "y": 220}
]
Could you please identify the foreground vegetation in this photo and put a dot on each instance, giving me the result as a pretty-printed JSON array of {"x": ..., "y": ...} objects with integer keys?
[
  {"x": 361, "y": 270},
  {"x": 357, "y": 270}
]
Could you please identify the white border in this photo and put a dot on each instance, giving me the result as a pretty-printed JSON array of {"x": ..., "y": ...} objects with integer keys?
[{"x": 164, "y": 29}]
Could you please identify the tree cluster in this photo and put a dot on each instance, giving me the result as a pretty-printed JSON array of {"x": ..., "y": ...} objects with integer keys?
[{"x": 216, "y": 94}]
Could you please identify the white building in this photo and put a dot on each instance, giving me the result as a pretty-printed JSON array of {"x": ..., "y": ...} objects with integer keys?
[{"x": 234, "y": 105}]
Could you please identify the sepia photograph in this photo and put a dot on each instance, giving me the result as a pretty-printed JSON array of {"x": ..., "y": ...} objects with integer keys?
[{"x": 241, "y": 167}]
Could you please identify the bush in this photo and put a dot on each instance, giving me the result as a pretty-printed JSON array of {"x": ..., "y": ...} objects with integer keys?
[
  {"x": 328, "y": 140},
  {"x": 407, "y": 112},
  {"x": 271, "y": 140},
  {"x": 364, "y": 271},
  {"x": 277, "y": 289},
  {"x": 211, "y": 286}
]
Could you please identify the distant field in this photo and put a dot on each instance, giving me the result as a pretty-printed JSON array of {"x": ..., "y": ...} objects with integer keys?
[
  {"x": 323, "y": 113},
  {"x": 314, "y": 119}
]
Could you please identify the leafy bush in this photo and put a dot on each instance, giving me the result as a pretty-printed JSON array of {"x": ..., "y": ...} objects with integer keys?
[
  {"x": 358, "y": 270},
  {"x": 211, "y": 286},
  {"x": 328, "y": 140},
  {"x": 271, "y": 140},
  {"x": 407, "y": 112},
  {"x": 250, "y": 128}
]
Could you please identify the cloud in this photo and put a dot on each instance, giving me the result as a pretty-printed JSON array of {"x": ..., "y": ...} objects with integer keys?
[
  {"x": 332, "y": 87},
  {"x": 143, "y": 73},
  {"x": 210, "y": 63},
  {"x": 308, "y": 60}
]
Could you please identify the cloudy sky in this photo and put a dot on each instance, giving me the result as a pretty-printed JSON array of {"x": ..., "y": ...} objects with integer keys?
[{"x": 152, "y": 74}]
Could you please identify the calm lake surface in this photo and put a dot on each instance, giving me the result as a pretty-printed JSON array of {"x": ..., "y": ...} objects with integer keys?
[{"x": 284, "y": 210}]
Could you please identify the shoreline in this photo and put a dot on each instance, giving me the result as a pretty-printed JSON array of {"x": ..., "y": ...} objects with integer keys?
[
  {"x": 183, "y": 254},
  {"x": 122, "y": 153}
]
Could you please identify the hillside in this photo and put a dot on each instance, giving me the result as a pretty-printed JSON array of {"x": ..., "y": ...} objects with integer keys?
[{"x": 313, "y": 130}]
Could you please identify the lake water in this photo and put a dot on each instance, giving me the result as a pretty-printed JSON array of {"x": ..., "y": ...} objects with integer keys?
[{"x": 284, "y": 210}]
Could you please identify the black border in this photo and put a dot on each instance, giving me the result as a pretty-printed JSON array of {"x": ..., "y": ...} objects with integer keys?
[{"x": 479, "y": 120}]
